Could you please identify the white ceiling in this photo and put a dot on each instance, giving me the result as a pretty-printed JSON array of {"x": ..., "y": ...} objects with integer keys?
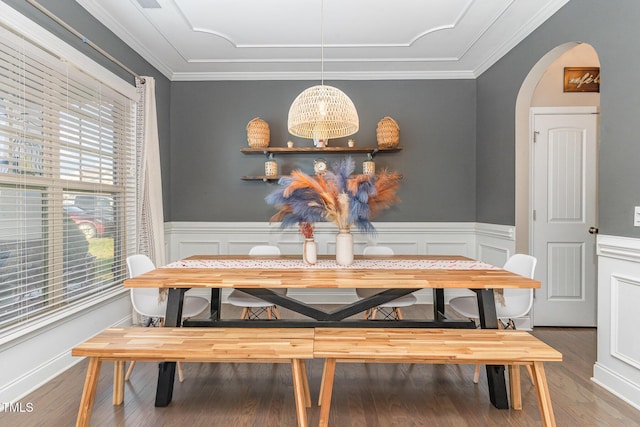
[{"x": 281, "y": 39}]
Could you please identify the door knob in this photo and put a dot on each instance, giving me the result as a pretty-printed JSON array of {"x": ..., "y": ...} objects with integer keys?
[{"x": 593, "y": 230}]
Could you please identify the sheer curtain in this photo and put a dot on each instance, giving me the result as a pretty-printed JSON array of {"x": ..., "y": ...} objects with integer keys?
[{"x": 150, "y": 215}]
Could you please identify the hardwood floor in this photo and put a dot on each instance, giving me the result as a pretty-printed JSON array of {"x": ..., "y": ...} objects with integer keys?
[{"x": 364, "y": 395}]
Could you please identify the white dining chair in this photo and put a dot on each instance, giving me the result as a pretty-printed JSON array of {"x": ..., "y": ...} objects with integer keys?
[
  {"x": 391, "y": 309},
  {"x": 147, "y": 302},
  {"x": 517, "y": 302},
  {"x": 253, "y": 307}
]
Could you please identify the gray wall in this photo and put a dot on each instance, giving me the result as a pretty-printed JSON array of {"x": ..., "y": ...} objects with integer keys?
[
  {"x": 208, "y": 128},
  {"x": 453, "y": 170},
  {"x": 78, "y": 18},
  {"x": 612, "y": 29}
]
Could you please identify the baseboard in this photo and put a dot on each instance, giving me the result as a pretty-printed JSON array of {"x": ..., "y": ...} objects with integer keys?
[{"x": 616, "y": 385}]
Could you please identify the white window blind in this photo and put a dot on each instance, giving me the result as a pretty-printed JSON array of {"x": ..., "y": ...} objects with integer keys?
[{"x": 67, "y": 183}]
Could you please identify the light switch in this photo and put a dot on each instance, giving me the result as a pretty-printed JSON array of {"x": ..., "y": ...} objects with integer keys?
[{"x": 636, "y": 216}]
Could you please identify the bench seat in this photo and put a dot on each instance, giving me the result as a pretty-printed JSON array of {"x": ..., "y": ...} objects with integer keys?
[
  {"x": 437, "y": 346},
  {"x": 246, "y": 345}
]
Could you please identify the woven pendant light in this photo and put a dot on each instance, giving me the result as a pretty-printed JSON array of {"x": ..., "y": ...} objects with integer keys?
[{"x": 322, "y": 112}]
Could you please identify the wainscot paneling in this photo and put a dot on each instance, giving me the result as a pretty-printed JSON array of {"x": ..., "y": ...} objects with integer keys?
[
  {"x": 487, "y": 242},
  {"x": 618, "y": 364}
]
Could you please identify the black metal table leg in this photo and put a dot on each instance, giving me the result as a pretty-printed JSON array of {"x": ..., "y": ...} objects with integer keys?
[
  {"x": 215, "y": 306},
  {"x": 167, "y": 370},
  {"x": 495, "y": 373},
  {"x": 438, "y": 304}
]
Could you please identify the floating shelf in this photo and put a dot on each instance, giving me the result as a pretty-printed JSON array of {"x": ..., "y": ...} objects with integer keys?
[
  {"x": 261, "y": 178},
  {"x": 268, "y": 151},
  {"x": 293, "y": 150}
]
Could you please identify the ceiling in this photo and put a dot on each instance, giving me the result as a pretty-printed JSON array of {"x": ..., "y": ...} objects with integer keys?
[{"x": 282, "y": 39}]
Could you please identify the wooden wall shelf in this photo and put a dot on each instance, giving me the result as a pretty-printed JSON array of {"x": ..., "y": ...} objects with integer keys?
[
  {"x": 315, "y": 150},
  {"x": 270, "y": 151},
  {"x": 267, "y": 178},
  {"x": 260, "y": 178}
]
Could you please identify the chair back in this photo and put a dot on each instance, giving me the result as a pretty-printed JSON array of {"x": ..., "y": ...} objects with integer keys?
[
  {"x": 518, "y": 302},
  {"x": 139, "y": 264},
  {"x": 145, "y": 300},
  {"x": 522, "y": 264},
  {"x": 372, "y": 250},
  {"x": 268, "y": 250},
  {"x": 264, "y": 250},
  {"x": 377, "y": 250}
]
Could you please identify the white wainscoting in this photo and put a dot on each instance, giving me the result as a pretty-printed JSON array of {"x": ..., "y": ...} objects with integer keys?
[
  {"x": 486, "y": 242},
  {"x": 618, "y": 365}
]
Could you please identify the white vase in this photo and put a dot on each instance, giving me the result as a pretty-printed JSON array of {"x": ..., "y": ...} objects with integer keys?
[
  {"x": 309, "y": 252},
  {"x": 344, "y": 247}
]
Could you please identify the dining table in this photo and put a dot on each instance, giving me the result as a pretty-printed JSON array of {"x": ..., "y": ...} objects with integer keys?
[{"x": 394, "y": 275}]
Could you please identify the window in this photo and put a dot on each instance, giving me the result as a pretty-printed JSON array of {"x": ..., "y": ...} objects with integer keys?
[{"x": 67, "y": 184}]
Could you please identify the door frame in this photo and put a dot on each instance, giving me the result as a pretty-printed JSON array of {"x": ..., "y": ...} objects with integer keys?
[
  {"x": 523, "y": 137},
  {"x": 568, "y": 110}
]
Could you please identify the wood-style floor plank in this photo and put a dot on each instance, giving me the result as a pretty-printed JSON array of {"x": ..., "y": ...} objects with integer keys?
[{"x": 259, "y": 395}]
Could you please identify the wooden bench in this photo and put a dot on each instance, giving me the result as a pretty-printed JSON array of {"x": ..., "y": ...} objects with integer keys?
[
  {"x": 245, "y": 345},
  {"x": 436, "y": 346}
]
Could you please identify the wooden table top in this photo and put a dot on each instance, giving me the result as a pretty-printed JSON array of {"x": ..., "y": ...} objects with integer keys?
[{"x": 338, "y": 277}]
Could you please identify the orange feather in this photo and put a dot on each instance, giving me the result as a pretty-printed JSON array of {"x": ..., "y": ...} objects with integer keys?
[{"x": 386, "y": 188}]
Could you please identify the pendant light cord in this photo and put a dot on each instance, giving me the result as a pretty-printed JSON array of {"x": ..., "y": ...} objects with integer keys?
[{"x": 322, "y": 42}]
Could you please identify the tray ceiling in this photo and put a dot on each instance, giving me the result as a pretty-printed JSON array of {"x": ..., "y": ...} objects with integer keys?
[{"x": 282, "y": 39}]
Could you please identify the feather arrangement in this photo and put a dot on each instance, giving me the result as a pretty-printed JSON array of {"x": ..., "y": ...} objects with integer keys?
[{"x": 337, "y": 196}]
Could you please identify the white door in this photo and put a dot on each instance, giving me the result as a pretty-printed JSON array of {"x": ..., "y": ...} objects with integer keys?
[{"x": 564, "y": 210}]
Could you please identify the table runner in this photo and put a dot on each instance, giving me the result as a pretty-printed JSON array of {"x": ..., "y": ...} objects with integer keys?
[{"x": 386, "y": 264}]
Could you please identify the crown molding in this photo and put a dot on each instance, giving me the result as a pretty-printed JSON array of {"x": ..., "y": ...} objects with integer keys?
[
  {"x": 537, "y": 20},
  {"x": 368, "y": 75}
]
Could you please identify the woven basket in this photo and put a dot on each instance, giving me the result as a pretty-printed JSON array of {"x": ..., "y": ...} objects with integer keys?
[
  {"x": 258, "y": 133},
  {"x": 388, "y": 133}
]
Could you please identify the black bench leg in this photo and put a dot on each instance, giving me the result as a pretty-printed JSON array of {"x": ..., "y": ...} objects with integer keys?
[
  {"x": 497, "y": 386},
  {"x": 167, "y": 370},
  {"x": 166, "y": 377},
  {"x": 495, "y": 373}
]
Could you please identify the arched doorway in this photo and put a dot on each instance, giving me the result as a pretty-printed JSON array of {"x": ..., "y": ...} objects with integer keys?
[{"x": 533, "y": 93}]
